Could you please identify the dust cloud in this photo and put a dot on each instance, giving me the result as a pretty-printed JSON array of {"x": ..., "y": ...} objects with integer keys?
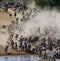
[{"x": 44, "y": 19}]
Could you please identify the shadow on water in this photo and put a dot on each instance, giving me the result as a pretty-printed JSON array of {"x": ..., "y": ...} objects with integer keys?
[{"x": 19, "y": 58}]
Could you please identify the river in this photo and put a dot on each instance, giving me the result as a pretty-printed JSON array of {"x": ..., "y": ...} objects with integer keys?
[{"x": 19, "y": 58}]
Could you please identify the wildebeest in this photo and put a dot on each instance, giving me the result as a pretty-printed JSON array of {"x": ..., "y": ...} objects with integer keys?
[{"x": 6, "y": 48}]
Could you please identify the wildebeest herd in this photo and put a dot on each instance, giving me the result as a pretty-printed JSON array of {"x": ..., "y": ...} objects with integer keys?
[
  {"x": 5, "y": 5},
  {"x": 47, "y": 48}
]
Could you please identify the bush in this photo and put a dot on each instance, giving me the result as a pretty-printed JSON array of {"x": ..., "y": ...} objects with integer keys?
[{"x": 50, "y": 3}]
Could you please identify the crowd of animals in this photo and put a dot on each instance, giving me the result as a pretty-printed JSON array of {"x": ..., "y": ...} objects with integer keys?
[{"x": 45, "y": 47}]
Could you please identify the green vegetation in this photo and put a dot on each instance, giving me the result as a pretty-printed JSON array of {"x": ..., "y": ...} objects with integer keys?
[{"x": 50, "y": 3}]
